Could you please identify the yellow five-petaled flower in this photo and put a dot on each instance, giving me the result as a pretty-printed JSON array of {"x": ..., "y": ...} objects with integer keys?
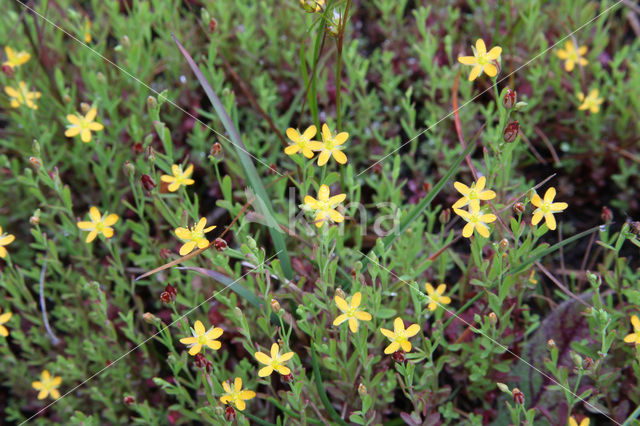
[
  {"x": 179, "y": 177},
  {"x": 635, "y": 336},
  {"x": 99, "y": 224},
  {"x": 482, "y": 60},
  {"x": 194, "y": 236},
  {"x": 472, "y": 195},
  {"x": 351, "y": 312},
  {"x": 574, "y": 422},
  {"x": 475, "y": 220},
  {"x": 324, "y": 206},
  {"x": 572, "y": 55},
  {"x": 273, "y": 362},
  {"x": 436, "y": 296},
  {"x": 331, "y": 146},
  {"x": 302, "y": 142},
  {"x": 15, "y": 59},
  {"x": 399, "y": 337},
  {"x": 22, "y": 96},
  {"x": 47, "y": 385},
  {"x": 236, "y": 396},
  {"x": 83, "y": 125},
  {"x": 546, "y": 208},
  {"x": 5, "y": 240},
  {"x": 4, "y": 318},
  {"x": 591, "y": 102},
  {"x": 202, "y": 337}
]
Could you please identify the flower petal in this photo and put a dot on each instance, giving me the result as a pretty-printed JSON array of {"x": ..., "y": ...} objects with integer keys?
[
  {"x": 388, "y": 333},
  {"x": 265, "y": 371},
  {"x": 274, "y": 351},
  {"x": 490, "y": 69},
  {"x": 356, "y": 299},
  {"x": 441, "y": 288},
  {"x": 340, "y": 319},
  {"x": 467, "y": 231},
  {"x": 475, "y": 72},
  {"x": 635, "y": 322},
  {"x": 550, "y": 195},
  {"x": 550, "y": 221},
  {"x": 398, "y": 325},
  {"x": 494, "y": 53},
  {"x": 393, "y": 346},
  {"x": 237, "y": 384},
  {"x": 291, "y": 149},
  {"x": 110, "y": 220},
  {"x": 262, "y": 358},
  {"x": 339, "y": 156},
  {"x": 353, "y": 325},
  {"x": 199, "y": 328},
  {"x": 187, "y": 248},
  {"x": 467, "y": 60},
  {"x": 341, "y": 303},
  {"x": 323, "y": 193},
  {"x": 412, "y": 330},
  {"x": 293, "y": 135},
  {"x": 363, "y": 316},
  {"x": 286, "y": 356},
  {"x": 91, "y": 115},
  {"x": 481, "y": 48},
  {"x": 537, "y": 217},
  {"x": 323, "y": 158}
]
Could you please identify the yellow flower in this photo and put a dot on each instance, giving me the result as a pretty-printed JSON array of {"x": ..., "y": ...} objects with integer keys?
[
  {"x": 21, "y": 96},
  {"x": 202, "y": 337},
  {"x": 574, "y": 422},
  {"x": 4, "y": 318},
  {"x": 572, "y": 54},
  {"x": 15, "y": 59},
  {"x": 302, "y": 142},
  {"x": 350, "y": 312},
  {"x": 99, "y": 224},
  {"x": 475, "y": 220},
  {"x": 481, "y": 60},
  {"x": 399, "y": 337},
  {"x": 179, "y": 177},
  {"x": 83, "y": 125},
  {"x": 473, "y": 194},
  {"x": 436, "y": 296},
  {"x": 273, "y": 362},
  {"x": 312, "y": 5},
  {"x": 194, "y": 236},
  {"x": 47, "y": 385},
  {"x": 5, "y": 240},
  {"x": 331, "y": 146},
  {"x": 635, "y": 336},
  {"x": 546, "y": 208},
  {"x": 532, "y": 278},
  {"x": 87, "y": 30},
  {"x": 236, "y": 396},
  {"x": 591, "y": 102},
  {"x": 324, "y": 206}
]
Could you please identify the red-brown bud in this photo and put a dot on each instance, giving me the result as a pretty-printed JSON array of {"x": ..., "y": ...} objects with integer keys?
[
  {"x": 165, "y": 253},
  {"x": 147, "y": 182},
  {"x": 510, "y": 99},
  {"x": 518, "y": 397},
  {"x": 137, "y": 148},
  {"x": 377, "y": 168},
  {"x": 129, "y": 400},
  {"x": 230, "y": 414},
  {"x": 220, "y": 244},
  {"x": 398, "y": 356},
  {"x": 518, "y": 208},
  {"x": 216, "y": 149},
  {"x": 200, "y": 360},
  {"x": 607, "y": 214},
  {"x": 511, "y": 131},
  {"x": 8, "y": 70},
  {"x": 213, "y": 24},
  {"x": 287, "y": 378}
]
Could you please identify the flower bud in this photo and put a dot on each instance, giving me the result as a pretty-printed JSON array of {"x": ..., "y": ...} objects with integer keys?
[
  {"x": 129, "y": 400},
  {"x": 493, "y": 318},
  {"x": 66, "y": 98},
  {"x": 213, "y": 24},
  {"x": 101, "y": 78},
  {"x": 518, "y": 397},
  {"x": 311, "y": 6},
  {"x": 334, "y": 26},
  {"x": 503, "y": 244},
  {"x": 511, "y": 131},
  {"x": 147, "y": 182},
  {"x": 504, "y": 388},
  {"x": 8, "y": 70},
  {"x": 128, "y": 169},
  {"x": 287, "y": 378},
  {"x": 518, "y": 208},
  {"x": 587, "y": 363},
  {"x": 216, "y": 149},
  {"x": 445, "y": 216},
  {"x": 577, "y": 359},
  {"x": 362, "y": 389},
  {"x": 200, "y": 360},
  {"x": 551, "y": 343},
  {"x": 521, "y": 105},
  {"x": 230, "y": 414},
  {"x": 35, "y": 162},
  {"x": 607, "y": 214},
  {"x": 152, "y": 103},
  {"x": 220, "y": 244},
  {"x": 399, "y": 356},
  {"x": 125, "y": 42},
  {"x": 85, "y": 107},
  {"x": 204, "y": 15},
  {"x": 273, "y": 169},
  {"x": 339, "y": 292},
  {"x": 149, "y": 318},
  {"x": 634, "y": 227},
  {"x": 35, "y": 219},
  {"x": 509, "y": 100},
  {"x": 275, "y": 306}
]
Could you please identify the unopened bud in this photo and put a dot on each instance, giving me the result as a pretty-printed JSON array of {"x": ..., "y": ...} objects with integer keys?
[
  {"x": 129, "y": 400},
  {"x": 204, "y": 15},
  {"x": 220, "y": 244},
  {"x": 213, "y": 24},
  {"x": 362, "y": 389},
  {"x": 66, "y": 98},
  {"x": 152, "y": 103},
  {"x": 504, "y": 388},
  {"x": 230, "y": 414},
  {"x": 518, "y": 208},
  {"x": 634, "y": 227},
  {"x": 587, "y": 363},
  {"x": 509, "y": 100},
  {"x": 576, "y": 358},
  {"x": 521, "y": 105},
  {"x": 34, "y": 220},
  {"x": 85, "y": 107},
  {"x": 128, "y": 169},
  {"x": 311, "y": 6},
  {"x": 340, "y": 293},
  {"x": 493, "y": 318},
  {"x": 399, "y": 356},
  {"x": 149, "y": 318},
  {"x": 125, "y": 42},
  {"x": 101, "y": 78},
  {"x": 445, "y": 216},
  {"x": 35, "y": 162},
  {"x": 511, "y": 131},
  {"x": 200, "y": 360},
  {"x": 334, "y": 26},
  {"x": 607, "y": 214},
  {"x": 503, "y": 244},
  {"x": 216, "y": 149},
  {"x": 147, "y": 182},
  {"x": 518, "y": 397},
  {"x": 275, "y": 306},
  {"x": 287, "y": 378},
  {"x": 551, "y": 343},
  {"x": 8, "y": 70}
]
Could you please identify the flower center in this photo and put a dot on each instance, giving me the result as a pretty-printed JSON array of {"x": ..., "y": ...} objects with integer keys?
[
  {"x": 196, "y": 235},
  {"x": 99, "y": 226},
  {"x": 329, "y": 144},
  {"x": 202, "y": 340},
  {"x": 482, "y": 59},
  {"x": 275, "y": 364},
  {"x": 351, "y": 312},
  {"x": 545, "y": 208},
  {"x": 435, "y": 298},
  {"x": 401, "y": 338}
]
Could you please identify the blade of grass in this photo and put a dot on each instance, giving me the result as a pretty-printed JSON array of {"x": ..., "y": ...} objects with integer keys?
[
  {"x": 323, "y": 394},
  {"x": 417, "y": 210},
  {"x": 247, "y": 164}
]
